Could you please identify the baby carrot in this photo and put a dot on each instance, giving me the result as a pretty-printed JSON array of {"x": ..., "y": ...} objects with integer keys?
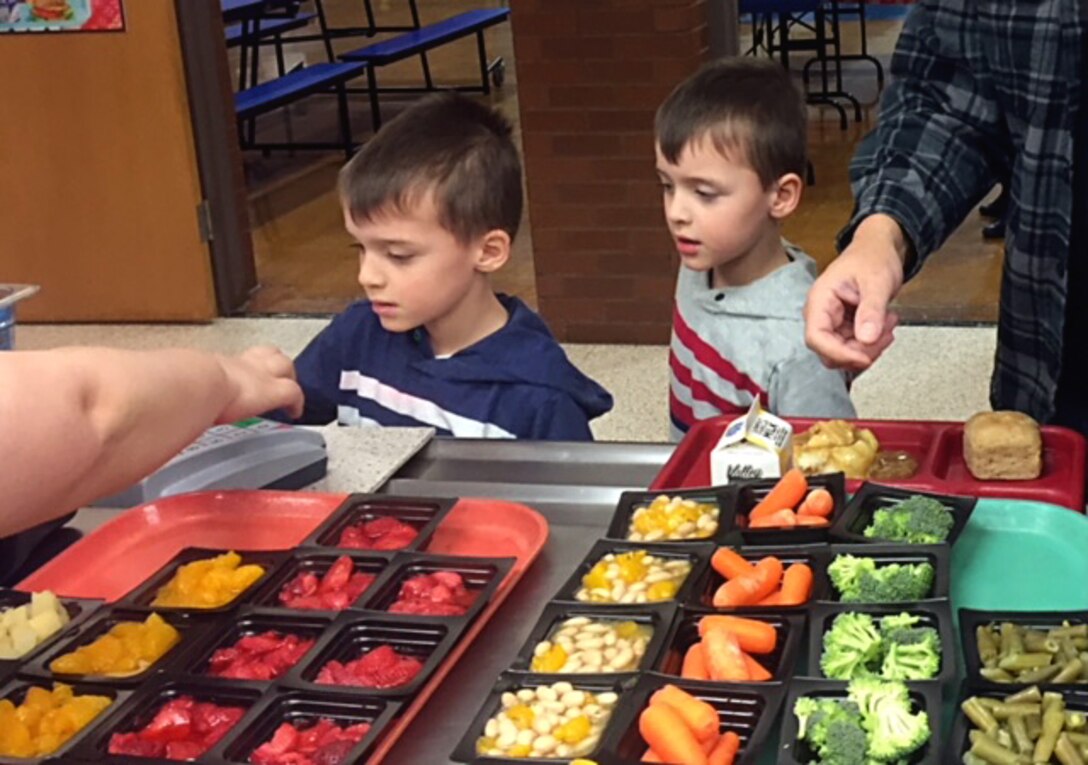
[
  {"x": 694, "y": 666},
  {"x": 774, "y": 599},
  {"x": 750, "y": 588},
  {"x": 726, "y": 750},
  {"x": 811, "y": 520},
  {"x": 818, "y": 502},
  {"x": 729, "y": 563},
  {"x": 788, "y": 492},
  {"x": 779, "y": 519},
  {"x": 699, "y": 716},
  {"x": 796, "y": 585},
  {"x": 724, "y": 659},
  {"x": 753, "y": 635},
  {"x": 669, "y": 737},
  {"x": 756, "y": 671}
]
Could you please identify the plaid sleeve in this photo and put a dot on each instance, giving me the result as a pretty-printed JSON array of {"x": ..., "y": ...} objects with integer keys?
[{"x": 939, "y": 144}]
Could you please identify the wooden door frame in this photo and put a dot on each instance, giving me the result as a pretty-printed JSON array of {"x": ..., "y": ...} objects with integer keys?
[
  {"x": 723, "y": 25},
  {"x": 224, "y": 215}
]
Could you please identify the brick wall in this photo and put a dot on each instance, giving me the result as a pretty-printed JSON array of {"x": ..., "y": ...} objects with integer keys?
[{"x": 591, "y": 74}]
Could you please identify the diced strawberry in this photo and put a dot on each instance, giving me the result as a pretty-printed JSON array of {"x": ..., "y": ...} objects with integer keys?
[{"x": 338, "y": 575}]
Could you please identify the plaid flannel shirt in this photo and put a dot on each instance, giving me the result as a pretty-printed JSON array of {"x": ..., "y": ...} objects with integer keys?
[{"x": 986, "y": 91}]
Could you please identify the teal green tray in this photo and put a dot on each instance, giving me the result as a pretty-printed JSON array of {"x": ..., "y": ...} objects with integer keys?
[{"x": 1021, "y": 556}]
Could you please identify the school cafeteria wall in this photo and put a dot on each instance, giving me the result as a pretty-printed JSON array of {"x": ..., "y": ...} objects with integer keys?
[
  {"x": 99, "y": 185},
  {"x": 590, "y": 77}
]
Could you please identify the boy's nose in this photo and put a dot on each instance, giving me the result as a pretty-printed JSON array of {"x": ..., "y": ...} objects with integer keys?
[
  {"x": 370, "y": 276},
  {"x": 677, "y": 211}
]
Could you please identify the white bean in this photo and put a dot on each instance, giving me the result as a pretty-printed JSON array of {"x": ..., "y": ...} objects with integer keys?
[
  {"x": 622, "y": 659},
  {"x": 544, "y": 744},
  {"x": 593, "y": 658},
  {"x": 593, "y": 643},
  {"x": 653, "y": 536},
  {"x": 492, "y": 728},
  {"x": 562, "y": 750},
  {"x": 545, "y": 693},
  {"x": 563, "y": 687},
  {"x": 637, "y": 587},
  {"x": 541, "y": 725},
  {"x": 573, "y": 699},
  {"x": 657, "y": 576},
  {"x": 542, "y": 648},
  {"x": 526, "y": 737},
  {"x": 577, "y": 621},
  {"x": 509, "y": 700},
  {"x": 607, "y": 699},
  {"x": 506, "y": 739}
]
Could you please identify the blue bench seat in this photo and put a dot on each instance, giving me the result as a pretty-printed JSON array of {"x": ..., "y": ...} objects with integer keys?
[
  {"x": 270, "y": 27},
  {"x": 293, "y": 86},
  {"x": 431, "y": 36}
]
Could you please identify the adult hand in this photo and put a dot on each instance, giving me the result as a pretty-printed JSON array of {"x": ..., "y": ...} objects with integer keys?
[
  {"x": 847, "y": 322},
  {"x": 263, "y": 379}
]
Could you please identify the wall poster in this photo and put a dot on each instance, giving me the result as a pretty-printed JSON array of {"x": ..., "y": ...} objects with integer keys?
[{"x": 61, "y": 16}]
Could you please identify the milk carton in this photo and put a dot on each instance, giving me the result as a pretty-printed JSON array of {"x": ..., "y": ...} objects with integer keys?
[{"x": 756, "y": 445}]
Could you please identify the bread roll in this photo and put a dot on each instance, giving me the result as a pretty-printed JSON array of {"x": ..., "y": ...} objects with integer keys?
[{"x": 1003, "y": 446}]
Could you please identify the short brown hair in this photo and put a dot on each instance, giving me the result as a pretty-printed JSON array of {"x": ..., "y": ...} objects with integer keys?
[
  {"x": 744, "y": 103},
  {"x": 447, "y": 144}
]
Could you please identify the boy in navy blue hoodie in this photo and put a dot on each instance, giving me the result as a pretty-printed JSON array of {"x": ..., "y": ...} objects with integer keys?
[{"x": 432, "y": 203}]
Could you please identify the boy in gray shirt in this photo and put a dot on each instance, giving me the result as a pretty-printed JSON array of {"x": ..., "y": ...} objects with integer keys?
[{"x": 731, "y": 158}]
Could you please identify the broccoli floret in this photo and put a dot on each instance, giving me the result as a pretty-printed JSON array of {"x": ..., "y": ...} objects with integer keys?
[
  {"x": 860, "y": 580},
  {"x": 851, "y": 647},
  {"x": 895, "y": 583},
  {"x": 916, "y": 520},
  {"x": 893, "y": 731},
  {"x": 910, "y": 652},
  {"x": 821, "y": 722},
  {"x": 845, "y": 571},
  {"x": 911, "y": 662},
  {"x": 845, "y": 743}
]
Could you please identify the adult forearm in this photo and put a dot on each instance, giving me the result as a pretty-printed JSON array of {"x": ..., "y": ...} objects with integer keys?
[{"x": 78, "y": 424}]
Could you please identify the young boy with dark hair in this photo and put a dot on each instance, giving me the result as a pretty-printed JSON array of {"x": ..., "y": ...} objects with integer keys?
[
  {"x": 432, "y": 203},
  {"x": 731, "y": 158}
]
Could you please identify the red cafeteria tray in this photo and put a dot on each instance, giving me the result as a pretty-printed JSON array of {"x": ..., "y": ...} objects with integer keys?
[
  {"x": 125, "y": 551},
  {"x": 938, "y": 447}
]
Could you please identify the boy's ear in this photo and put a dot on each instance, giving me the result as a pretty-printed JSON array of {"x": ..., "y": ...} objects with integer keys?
[
  {"x": 493, "y": 251},
  {"x": 786, "y": 195}
]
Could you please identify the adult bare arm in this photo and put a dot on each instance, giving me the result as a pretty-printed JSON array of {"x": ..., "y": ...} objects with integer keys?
[{"x": 77, "y": 424}]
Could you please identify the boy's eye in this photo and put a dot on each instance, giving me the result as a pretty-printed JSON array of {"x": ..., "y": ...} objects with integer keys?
[
  {"x": 706, "y": 194},
  {"x": 401, "y": 256},
  {"x": 667, "y": 187}
]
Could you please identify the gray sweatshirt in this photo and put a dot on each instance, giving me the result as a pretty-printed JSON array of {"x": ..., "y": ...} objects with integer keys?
[{"x": 734, "y": 344}]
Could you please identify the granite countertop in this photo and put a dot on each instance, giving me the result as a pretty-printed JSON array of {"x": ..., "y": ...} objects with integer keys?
[{"x": 362, "y": 459}]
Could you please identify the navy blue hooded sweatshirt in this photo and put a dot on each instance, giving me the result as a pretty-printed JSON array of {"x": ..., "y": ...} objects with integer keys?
[{"x": 515, "y": 383}]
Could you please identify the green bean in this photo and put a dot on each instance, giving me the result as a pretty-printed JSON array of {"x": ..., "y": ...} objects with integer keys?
[
  {"x": 1030, "y": 695},
  {"x": 1004, "y": 711},
  {"x": 987, "y": 647},
  {"x": 1080, "y": 643},
  {"x": 1010, "y": 639},
  {"x": 1034, "y": 640},
  {"x": 1071, "y": 631},
  {"x": 1084, "y": 663},
  {"x": 1074, "y": 720},
  {"x": 1040, "y": 675},
  {"x": 985, "y": 747},
  {"x": 1053, "y": 722},
  {"x": 1034, "y": 724},
  {"x": 1066, "y": 752},
  {"x": 1080, "y": 739},
  {"x": 1022, "y": 661},
  {"x": 1067, "y": 650},
  {"x": 995, "y": 675},
  {"x": 1020, "y": 736},
  {"x": 1069, "y": 672},
  {"x": 979, "y": 715}
]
